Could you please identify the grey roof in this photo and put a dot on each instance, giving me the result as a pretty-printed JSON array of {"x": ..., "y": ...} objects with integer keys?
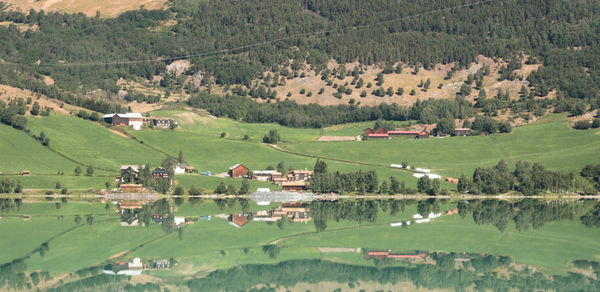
[
  {"x": 131, "y": 115},
  {"x": 233, "y": 167},
  {"x": 125, "y": 115},
  {"x": 134, "y": 167}
]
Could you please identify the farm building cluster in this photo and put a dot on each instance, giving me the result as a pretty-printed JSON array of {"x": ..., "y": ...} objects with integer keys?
[
  {"x": 130, "y": 174},
  {"x": 381, "y": 133},
  {"x": 294, "y": 180},
  {"x": 387, "y": 254},
  {"x": 137, "y": 121},
  {"x": 294, "y": 212}
]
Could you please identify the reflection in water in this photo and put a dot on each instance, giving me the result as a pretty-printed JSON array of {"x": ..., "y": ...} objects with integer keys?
[
  {"x": 448, "y": 271},
  {"x": 426, "y": 269}
]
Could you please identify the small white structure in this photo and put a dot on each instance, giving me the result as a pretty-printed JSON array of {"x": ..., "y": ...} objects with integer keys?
[
  {"x": 135, "y": 222},
  {"x": 180, "y": 168},
  {"x": 263, "y": 190},
  {"x": 263, "y": 203},
  {"x": 179, "y": 221},
  {"x": 429, "y": 175},
  {"x": 136, "y": 264},
  {"x": 425, "y": 170},
  {"x": 434, "y": 215},
  {"x": 417, "y": 216},
  {"x": 426, "y": 220},
  {"x": 396, "y": 224}
]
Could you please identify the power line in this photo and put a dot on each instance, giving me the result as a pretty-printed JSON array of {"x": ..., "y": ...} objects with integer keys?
[{"x": 322, "y": 32}]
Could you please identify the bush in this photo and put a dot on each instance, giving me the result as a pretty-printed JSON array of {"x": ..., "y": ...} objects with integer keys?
[
  {"x": 596, "y": 124},
  {"x": 582, "y": 125}
]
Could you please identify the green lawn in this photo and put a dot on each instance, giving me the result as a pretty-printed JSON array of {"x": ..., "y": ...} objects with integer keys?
[
  {"x": 67, "y": 181},
  {"x": 207, "y": 245},
  {"x": 217, "y": 155},
  {"x": 550, "y": 247},
  {"x": 552, "y": 143},
  {"x": 91, "y": 245},
  {"x": 210, "y": 183},
  {"x": 21, "y": 152},
  {"x": 91, "y": 143}
]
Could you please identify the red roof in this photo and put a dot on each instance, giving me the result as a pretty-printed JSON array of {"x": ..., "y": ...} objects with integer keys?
[
  {"x": 403, "y": 132},
  {"x": 378, "y": 135},
  {"x": 239, "y": 220},
  {"x": 378, "y": 253},
  {"x": 403, "y": 256}
]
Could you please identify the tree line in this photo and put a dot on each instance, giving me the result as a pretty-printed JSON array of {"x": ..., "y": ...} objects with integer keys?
[
  {"x": 525, "y": 214},
  {"x": 528, "y": 179}
]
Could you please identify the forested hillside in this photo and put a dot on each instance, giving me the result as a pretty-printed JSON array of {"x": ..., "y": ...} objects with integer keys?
[{"x": 234, "y": 42}]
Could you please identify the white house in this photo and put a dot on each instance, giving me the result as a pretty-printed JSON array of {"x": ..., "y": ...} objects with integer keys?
[{"x": 180, "y": 168}]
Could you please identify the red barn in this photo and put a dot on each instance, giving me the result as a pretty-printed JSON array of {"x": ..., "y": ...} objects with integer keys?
[
  {"x": 238, "y": 170},
  {"x": 423, "y": 135},
  {"x": 368, "y": 131}
]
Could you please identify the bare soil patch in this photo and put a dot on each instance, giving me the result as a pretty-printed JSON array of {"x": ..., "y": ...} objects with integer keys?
[
  {"x": 89, "y": 7},
  {"x": 407, "y": 80},
  {"x": 7, "y": 92},
  {"x": 118, "y": 133},
  {"x": 336, "y": 249},
  {"x": 143, "y": 107},
  {"x": 336, "y": 138},
  {"x": 118, "y": 254}
]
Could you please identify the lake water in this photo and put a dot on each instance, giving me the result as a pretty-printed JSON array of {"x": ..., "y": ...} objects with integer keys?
[{"x": 236, "y": 244}]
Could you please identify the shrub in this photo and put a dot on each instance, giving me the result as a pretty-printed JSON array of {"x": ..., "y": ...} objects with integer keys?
[{"x": 582, "y": 125}]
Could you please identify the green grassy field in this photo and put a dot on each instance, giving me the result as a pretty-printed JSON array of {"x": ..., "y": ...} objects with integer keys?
[
  {"x": 67, "y": 181},
  {"x": 203, "y": 124},
  {"x": 551, "y": 247},
  {"x": 217, "y": 155},
  {"x": 91, "y": 143},
  {"x": 21, "y": 152},
  {"x": 209, "y": 183},
  {"x": 552, "y": 143}
]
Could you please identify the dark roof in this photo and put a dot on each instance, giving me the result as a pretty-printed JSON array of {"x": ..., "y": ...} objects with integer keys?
[{"x": 160, "y": 170}]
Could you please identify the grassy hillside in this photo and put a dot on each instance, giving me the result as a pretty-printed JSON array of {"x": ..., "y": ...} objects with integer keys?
[
  {"x": 204, "y": 124},
  {"x": 21, "y": 152},
  {"x": 552, "y": 143},
  {"x": 91, "y": 143}
]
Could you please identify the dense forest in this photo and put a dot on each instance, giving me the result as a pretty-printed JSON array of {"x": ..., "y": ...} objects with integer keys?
[{"x": 85, "y": 53}]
